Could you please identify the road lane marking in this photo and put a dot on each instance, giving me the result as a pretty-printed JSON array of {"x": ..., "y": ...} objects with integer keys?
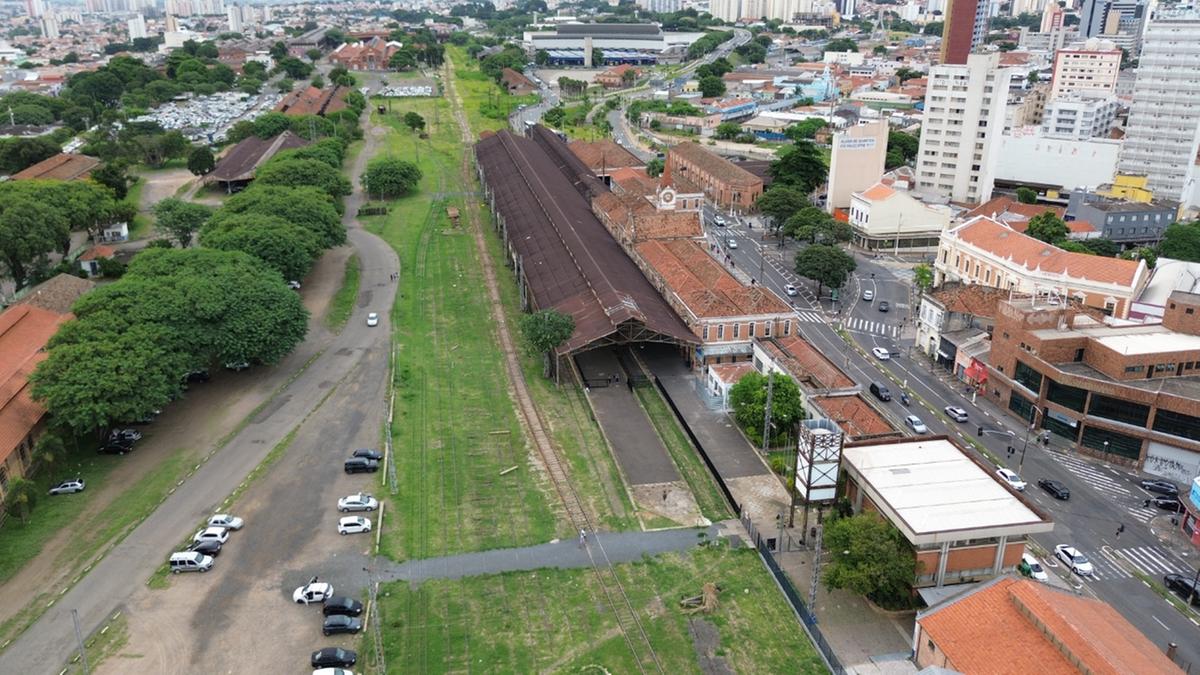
[{"x": 1159, "y": 622}]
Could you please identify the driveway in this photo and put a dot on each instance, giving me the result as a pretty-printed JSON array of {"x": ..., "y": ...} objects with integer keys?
[{"x": 336, "y": 402}]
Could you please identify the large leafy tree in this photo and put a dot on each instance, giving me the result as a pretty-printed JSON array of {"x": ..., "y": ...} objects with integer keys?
[
  {"x": 727, "y": 131},
  {"x": 388, "y": 177},
  {"x": 414, "y": 121},
  {"x": 29, "y": 229},
  {"x": 1047, "y": 227},
  {"x": 870, "y": 557},
  {"x": 329, "y": 150},
  {"x": 781, "y": 202},
  {"x": 813, "y": 225},
  {"x": 748, "y": 398},
  {"x": 295, "y": 172},
  {"x": 923, "y": 276},
  {"x": 544, "y": 331},
  {"x": 132, "y": 340},
  {"x": 113, "y": 176},
  {"x": 1181, "y": 241},
  {"x": 18, "y": 154},
  {"x": 801, "y": 167},
  {"x": 201, "y": 161},
  {"x": 309, "y": 207},
  {"x": 712, "y": 86},
  {"x": 285, "y": 247},
  {"x": 180, "y": 220},
  {"x": 825, "y": 264}
]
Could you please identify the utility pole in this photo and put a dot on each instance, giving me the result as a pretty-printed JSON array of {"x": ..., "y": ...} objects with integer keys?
[
  {"x": 79, "y": 639},
  {"x": 816, "y": 575},
  {"x": 766, "y": 440},
  {"x": 1033, "y": 413}
]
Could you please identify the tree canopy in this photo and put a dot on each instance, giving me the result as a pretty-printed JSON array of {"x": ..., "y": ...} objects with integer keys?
[
  {"x": 1047, "y": 227},
  {"x": 309, "y": 207},
  {"x": 389, "y": 178},
  {"x": 180, "y": 220},
  {"x": 295, "y": 172},
  {"x": 870, "y": 557},
  {"x": 712, "y": 86},
  {"x": 801, "y": 166},
  {"x": 748, "y": 398},
  {"x": 288, "y": 248},
  {"x": 813, "y": 225},
  {"x": 201, "y": 161},
  {"x": 544, "y": 331},
  {"x": 780, "y": 202},
  {"x": 825, "y": 264},
  {"x": 1181, "y": 241}
]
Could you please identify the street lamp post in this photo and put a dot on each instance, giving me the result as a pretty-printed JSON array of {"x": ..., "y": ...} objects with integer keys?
[{"x": 1033, "y": 414}]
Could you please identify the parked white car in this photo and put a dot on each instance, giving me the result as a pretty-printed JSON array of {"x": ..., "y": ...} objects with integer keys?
[
  {"x": 313, "y": 592},
  {"x": 359, "y": 502},
  {"x": 372, "y": 319},
  {"x": 68, "y": 487},
  {"x": 881, "y": 353},
  {"x": 1073, "y": 559},
  {"x": 791, "y": 290},
  {"x": 1014, "y": 481},
  {"x": 227, "y": 521},
  {"x": 354, "y": 525},
  {"x": 1034, "y": 566},
  {"x": 212, "y": 534}
]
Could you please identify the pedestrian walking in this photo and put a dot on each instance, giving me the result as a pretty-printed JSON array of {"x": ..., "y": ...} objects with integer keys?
[
  {"x": 1146, "y": 504},
  {"x": 582, "y": 538},
  {"x": 665, "y": 495},
  {"x": 1120, "y": 529}
]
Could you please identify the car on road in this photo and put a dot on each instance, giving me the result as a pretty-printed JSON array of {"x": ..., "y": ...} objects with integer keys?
[
  {"x": 227, "y": 521},
  {"x": 1171, "y": 504},
  {"x": 354, "y": 525},
  {"x": 1162, "y": 487},
  {"x": 881, "y": 353},
  {"x": 731, "y": 242},
  {"x": 68, "y": 487},
  {"x": 312, "y": 592},
  {"x": 294, "y": 285},
  {"x": 212, "y": 534},
  {"x": 333, "y": 657},
  {"x": 868, "y": 294},
  {"x": 372, "y": 319},
  {"x": 209, "y": 547},
  {"x": 359, "y": 502},
  {"x": 719, "y": 220},
  {"x": 1183, "y": 586},
  {"x": 1032, "y": 567},
  {"x": 369, "y": 453},
  {"x": 881, "y": 392},
  {"x": 1072, "y": 558},
  {"x": 342, "y": 605},
  {"x": 115, "y": 447},
  {"x": 915, "y": 423},
  {"x": 360, "y": 465},
  {"x": 1055, "y": 488},
  {"x": 1014, "y": 481},
  {"x": 955, "y": 413},
  {"x": 791, "y": 290},
  {"x": 884, "y": 306},
  {"x": 340, "y": 623}
]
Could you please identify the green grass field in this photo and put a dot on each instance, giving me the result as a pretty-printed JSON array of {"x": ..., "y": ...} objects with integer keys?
[
  {"x": 343, "y": 301},
  {"x": 554, "y": 620}
]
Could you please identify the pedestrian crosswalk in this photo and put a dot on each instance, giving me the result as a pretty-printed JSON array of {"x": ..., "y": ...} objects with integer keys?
[
  {"x": 1104, "y": 480},
  {"x": 872, "y": 327},
  {"x": 1121, "y": 563},
  {"x": 810, "y": 317}
]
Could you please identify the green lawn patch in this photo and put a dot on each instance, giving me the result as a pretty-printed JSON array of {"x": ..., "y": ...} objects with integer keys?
[
  {"x": 140, "y": 227},
  {"x": 687, "y": 459},
  {"x": 554, "y": 620},
  {"x": 342, "y": 303}
]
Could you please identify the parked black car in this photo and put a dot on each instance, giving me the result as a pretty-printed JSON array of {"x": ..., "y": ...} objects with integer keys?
[
  {"x": 115, "y": 447},
  {"x": 361, "y": 465},
  {"x": 207, "y": 547},
  {"x": 1183, "y": 586},
  {"x": 333, "y": 657},
  {"x": 1162, "y": 487},
  {"x": 340, "y": 623},
  {"x": 369, "y": 453},
  {"x": 1171, "y": 504},
  {"x": 197, "y": 376},
  {"x": 1055, "y": 488},
  {"x": 340, "y": 604}
]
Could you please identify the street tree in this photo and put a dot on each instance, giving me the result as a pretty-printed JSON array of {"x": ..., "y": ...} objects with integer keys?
[
  {"x": 414, "y": 121},
  {"x": 389, "y": 178},
  {"x": 201, "y": 161},
  {"x": 313, "y": 55},
  {"x": 114, "y": 176},
  {"x": 727, "y": 130},
  {"x": 712, "y": 86},
  {"x": 1047, "y": 227},
  {"x": 654, "y": 167},
  {"x": 544, "y": 331},
  {"x": 1181, "y": 241},
  {"x": 806, "y": 130},
  {"x": 180, "y": 220},
  {"x": 780, "y": 202},
  {"x": 923, "y": 276},
  {"x": 285, "y": 247},
  {"x": 298, "y": 172},
  {"x": 825, "y": 264},
  {"x": 748, "y": 398},
  {"x": 812, "y": 225},
  {"x": 870, "y": 557},
  {"x": 20, "y": 497},
  {"x": 29, "y": 230},
  {"x": 1102, "y": 246},
  {"x": 308, "y": 207},
  {"x": 801, "y": 166}
]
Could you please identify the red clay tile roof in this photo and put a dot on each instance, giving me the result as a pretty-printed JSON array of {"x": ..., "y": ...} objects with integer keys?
[
  {"x": 731, "y": 372},
  {"x": 98, "y": 251},
  {"x": 877, "y": 192},
  {"x": 24, "y": 331},
  {"x": 59, "y": 167},
  {"x": 804, "y": 363},
  {"x": 603, "y": 155},
  {"x": 1014, "y": 213},
  {"x": 635, "y": 219},
  {"x": 703, "y": 285},
  {"x": 1034, "y": 255},
  {"x": 973, "y": 299},
  {"x": 722, "y": 169},
  {"x": 855, "y": 416},
  {"x": 632, "y": 181},
  {"x": 313, "y": 101},
  {"x": 1022, "y": 626},
  {"x": 514, "y": 80}
]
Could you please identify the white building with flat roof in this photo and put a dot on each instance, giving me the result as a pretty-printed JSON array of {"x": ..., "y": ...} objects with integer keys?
[
  {"x": 1089, "y": 67},
  {"x": 1080, "y": 116}
]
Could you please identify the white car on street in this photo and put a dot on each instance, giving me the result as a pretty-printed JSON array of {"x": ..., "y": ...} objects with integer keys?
[
  {"x": 868, "y": 294},
  {"x": 359, "y": 502},
  {"x": 719, "y": 220},
  {"x": 955, "y": 413},
  {"x": 372, "y": 319},
  {"x": 915, "y": 423},
  {"x": 881, "y": 353},
  {"x": 791, "y": 290},
  {"x": 354, "y": 525},
  {"x": 1014, "y": 481},
  {"x": 227, "y": 521},
  {"x": 1073, "y": 559},
  {"x": 313, "y": 592},
  {"x": 731, "y": 243},
  {"x": 212, "y": 534}
]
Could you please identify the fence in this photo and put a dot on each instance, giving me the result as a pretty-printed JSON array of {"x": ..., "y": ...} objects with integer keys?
[{"x": 785, "y": 584}]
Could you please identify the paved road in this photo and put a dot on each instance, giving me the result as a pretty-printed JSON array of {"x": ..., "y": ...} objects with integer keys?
[
  {"x": 50, "y": 641},
  {"x": 1102, "y": 497}
]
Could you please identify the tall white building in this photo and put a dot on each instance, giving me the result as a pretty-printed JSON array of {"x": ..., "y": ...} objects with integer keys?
[
  {"x": 660, "y": 6},
  {"x": 137, "y": 27},
  {"x": 1163, "y": 132},
  {"x": 1080, "y": 117},
  {"x": 234, "y": 12},
  {"x": 965, "y": 107},
  {"x": 49, "y": 27},
  {"x": 1089, "y": 67}
]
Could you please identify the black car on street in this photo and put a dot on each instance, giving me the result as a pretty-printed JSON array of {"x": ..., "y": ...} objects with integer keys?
[
  {"x": 333, "y": 657},
  {"x": 1055, "y": 488}
]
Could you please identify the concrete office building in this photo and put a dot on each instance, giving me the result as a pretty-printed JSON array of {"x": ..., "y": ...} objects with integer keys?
[
  {"x": 1163, "y": 134},
  {"x": 965, "y": 27},
  {"x": 1027, "y": 157},
  {"x": 1090, "y": 67},
  {"x": 234, "y": 14},
  {"x": 1080, "y": 117},
  {"x": 137, "y": 27},
  {"x": 965, "y": 107},
  {"x": 1128, "y": 223},
  {"x": 856, "y": 162}
]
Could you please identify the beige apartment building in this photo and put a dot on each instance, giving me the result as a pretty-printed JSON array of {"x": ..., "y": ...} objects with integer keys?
[
  {"x": 856, "y": 163},
  {"x": 1088, "y": 68}
]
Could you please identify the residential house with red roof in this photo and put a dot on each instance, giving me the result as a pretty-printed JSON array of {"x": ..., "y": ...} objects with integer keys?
[
  {"x": 372, "y": 54},
  {"x": 1016, "y": 215},
  {"x": 617, "y": 76},
  {"x": 722, "y": 181},
  {"x": 603, "y": 156},
  {"x": 986, "y": 251},
  {"x": 313, "y": 101}
]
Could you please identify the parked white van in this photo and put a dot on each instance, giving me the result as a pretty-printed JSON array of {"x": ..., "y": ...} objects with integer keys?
[{"x": 190, "y": 561}]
